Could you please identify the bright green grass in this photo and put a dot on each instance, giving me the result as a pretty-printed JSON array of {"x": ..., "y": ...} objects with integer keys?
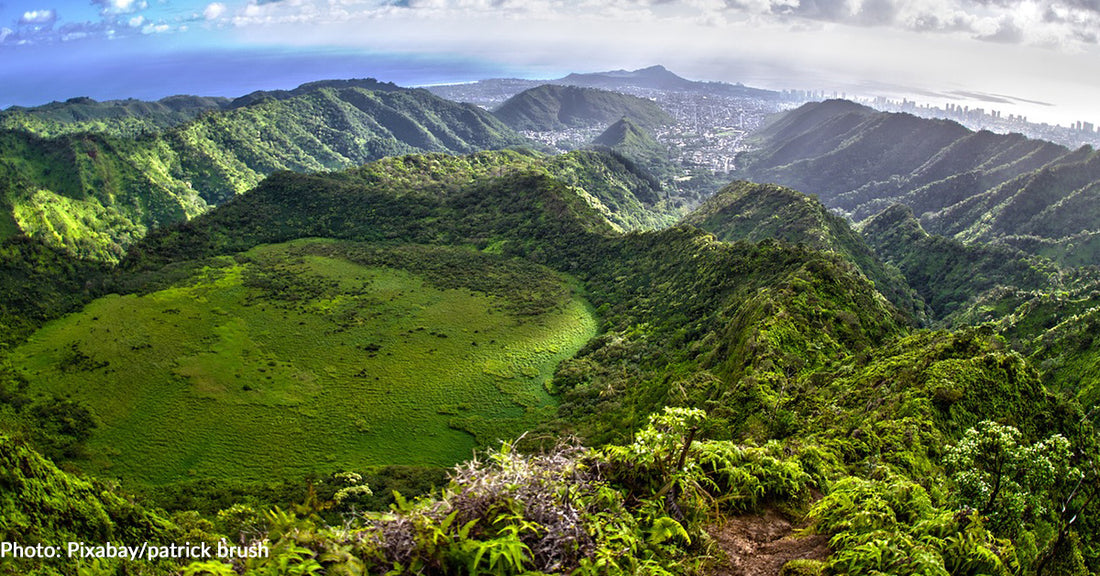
[{"x": 282, "y": 362}]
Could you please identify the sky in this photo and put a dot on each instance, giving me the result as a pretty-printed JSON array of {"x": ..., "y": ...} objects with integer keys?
[{"x": 1038, "y": 57}]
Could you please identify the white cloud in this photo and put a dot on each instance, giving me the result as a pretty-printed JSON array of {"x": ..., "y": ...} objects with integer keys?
[
  {"x": 39, "y": 17},
  {"x": 137, "y": 21},
  {"x": 120, "y": 6},
  {"x": 213, "y": 10}
]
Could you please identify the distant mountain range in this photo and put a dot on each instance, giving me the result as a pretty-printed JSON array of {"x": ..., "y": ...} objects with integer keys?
[
  {"x": 95, "y": 192},
  {"x": 491, "y": 92},
  {"x": 551, "y": 107},
  {"x": 972, "y": 186},
  {"x": 659, "y": 78},
  {"x": 131, "y": 116}
]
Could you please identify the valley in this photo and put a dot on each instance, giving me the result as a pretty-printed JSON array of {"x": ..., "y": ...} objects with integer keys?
[
  {"x": 386, "y": 333},
  {"x": 305, "y": 358}
]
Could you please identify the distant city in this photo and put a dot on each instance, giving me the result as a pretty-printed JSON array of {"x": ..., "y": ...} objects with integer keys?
[
  {"x": 710, "y": 127},
  {"x": 713, "y": 118},
  {"x": 1076, "y": 135}
]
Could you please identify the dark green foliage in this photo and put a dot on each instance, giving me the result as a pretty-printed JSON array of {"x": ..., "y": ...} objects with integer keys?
[
  {"x": 946, "y": 273},
  {"x": 755, "y": 212},
  {"x": 633, "y": 142},
  {"x": 39, "y": 283},
  {"x": 416, "y": 199},
  {"x": 892, "y": 526},
  {"x": 634, "y": 199},
  {"x": 553, "y": 107},
  {"x": 1056, "y": 326},
  {"x": 692, "y": 321},
  {"x": 42, "y": 504},
  {"x": 777, "y": 371},
  {"x": 89, "y": 194},
  {"x": 95, "y": 194},
  {"x": 965, "y": 185},
  {"x": 1005, "y": 479}
]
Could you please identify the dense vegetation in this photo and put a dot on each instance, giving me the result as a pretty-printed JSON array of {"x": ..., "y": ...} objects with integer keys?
[
  {"x": 365, "y": 356},
  {"x": 118, "y": 117},
  {"x": 755, "y": 355},
  {"x": 627, "y": 138},
  {"x": 753, "y": 212},
  {"x": 94, "y": 194},
  {"x": 969, "y": 186}
]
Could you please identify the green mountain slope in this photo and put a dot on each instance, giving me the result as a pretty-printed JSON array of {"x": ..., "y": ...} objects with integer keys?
[
  {"x": 223, "y": 336},
  {"x": 727, "y": 376},
  {"x": 971, "y": 186},
  {"x": 552, "y": 107},
  {"x": 116, "y": 117},
  {"x": 756, "y": 212},
  {"x": 39, "y": 283},
  {"x": 629, "y": 197},
  {"x": 94, "y": 195},
  {"x": 945, "y": 272},
  {"x": 44, "y": 505},
  {"x": 676, "y": 301},
  {"x": 630, "y": 140},
  {"x": 507, "y": 202},
  {"x": 89, "y": 194}
]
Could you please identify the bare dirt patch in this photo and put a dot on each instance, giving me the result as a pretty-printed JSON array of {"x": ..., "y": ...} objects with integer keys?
[{"x": 760, "y": 544}]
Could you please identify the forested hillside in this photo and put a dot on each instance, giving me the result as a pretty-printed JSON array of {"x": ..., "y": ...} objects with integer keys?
[
  {"x": 94, "y": 194},
  {"x": 117, "y": 117},
  {"x": 552, "y": 107},
  {"x": 971, "y": 186},
  {"x": 764, "y": 366}
]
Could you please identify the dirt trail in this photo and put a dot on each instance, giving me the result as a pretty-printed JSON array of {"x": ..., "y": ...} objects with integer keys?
[{"x": 760, "y": 544}]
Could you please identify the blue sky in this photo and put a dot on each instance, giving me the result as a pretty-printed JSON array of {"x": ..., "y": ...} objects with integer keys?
[{"x": 1038, "y": 50}]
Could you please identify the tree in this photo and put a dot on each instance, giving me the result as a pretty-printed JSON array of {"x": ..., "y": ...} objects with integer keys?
[{"x": 1006, "y": 479}]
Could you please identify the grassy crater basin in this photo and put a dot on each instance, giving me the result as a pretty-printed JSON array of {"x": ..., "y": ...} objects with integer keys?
[{"x": 310, "y": 357}]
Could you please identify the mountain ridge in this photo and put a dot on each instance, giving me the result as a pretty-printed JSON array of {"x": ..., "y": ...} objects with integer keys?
[
  {"x": 971, "y": 186},
  {"x": 552, "y": 107},
  {"x": 153, "y": 179}
]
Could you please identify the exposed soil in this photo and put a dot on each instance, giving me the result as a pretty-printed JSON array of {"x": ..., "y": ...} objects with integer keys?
[{"x": 760, "y": 544}]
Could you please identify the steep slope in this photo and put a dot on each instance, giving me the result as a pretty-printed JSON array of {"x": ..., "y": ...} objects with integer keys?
[
  {"x": 325, "y": 126},
  {"x": 552, "y": 107},
  {"x": 89, "y": 194},
  {"x": 729, "y": 376},
  {"x": 970, "y": 186},
  {"x": 756, "y": 212},
  {"x": 676, "y": 300},
  {"x": 499, "y": 201},
  {"x": 629, "y": 197},
  {"x": 44, "y": 505},
  {"x": 94, "y": 195},
  {"x": 39, "y": 283},
  {"x": 630, "y": 140},
  {"x": 945, "y": 272}
]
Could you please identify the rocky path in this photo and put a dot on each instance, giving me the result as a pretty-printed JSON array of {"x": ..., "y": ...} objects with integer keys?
[{"x": 760, "y": 544}]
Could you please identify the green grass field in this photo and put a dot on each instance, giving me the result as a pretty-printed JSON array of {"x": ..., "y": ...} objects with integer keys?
[{"x": 292, "y": 359}]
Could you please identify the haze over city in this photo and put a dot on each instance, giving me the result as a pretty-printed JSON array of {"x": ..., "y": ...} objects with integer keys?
[{"x": 1036, "y": 58}]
